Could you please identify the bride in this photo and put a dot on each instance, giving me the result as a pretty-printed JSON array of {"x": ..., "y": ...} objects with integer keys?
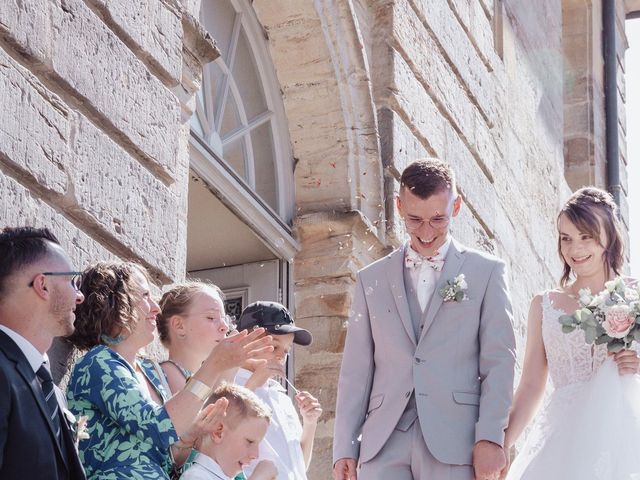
[{"x": 590, "y": 427}]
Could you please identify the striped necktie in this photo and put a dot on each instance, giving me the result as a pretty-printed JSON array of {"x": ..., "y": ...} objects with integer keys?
[{"x": 50, "y": 398}]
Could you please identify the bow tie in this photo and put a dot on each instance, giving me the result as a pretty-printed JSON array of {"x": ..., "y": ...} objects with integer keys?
[{"x": 413, "y": 260}]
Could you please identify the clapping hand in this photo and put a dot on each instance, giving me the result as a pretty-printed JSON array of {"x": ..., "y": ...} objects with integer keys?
[
  {"x": 235, "y": 350},
  {"x": 206, "y": 421},
  {"x": 270, "y": 368}
]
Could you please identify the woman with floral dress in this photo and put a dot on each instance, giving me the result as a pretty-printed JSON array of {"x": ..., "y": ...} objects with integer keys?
[{"x": 135, "y": 431}]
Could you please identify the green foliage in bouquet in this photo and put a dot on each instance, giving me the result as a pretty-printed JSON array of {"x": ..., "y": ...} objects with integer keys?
[{"x": 611, "y": 317}]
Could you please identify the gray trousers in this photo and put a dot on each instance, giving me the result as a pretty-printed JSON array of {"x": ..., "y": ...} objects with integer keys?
[{"x": 405, "y": 456}]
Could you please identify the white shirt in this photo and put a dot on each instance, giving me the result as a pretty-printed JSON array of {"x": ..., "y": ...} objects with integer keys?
[
  {"x": 281, "y": 444},
  {"x": 425, "y": 278},
  {"x": 204, "y": 468},
  {"x": 34, "y": 357}
]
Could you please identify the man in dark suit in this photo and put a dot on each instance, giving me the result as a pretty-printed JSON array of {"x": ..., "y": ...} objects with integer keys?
[{"x": 38, "y": 296}]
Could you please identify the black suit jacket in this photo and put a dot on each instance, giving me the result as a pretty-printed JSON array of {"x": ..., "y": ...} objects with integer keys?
[{"x": 28, "y": 447}]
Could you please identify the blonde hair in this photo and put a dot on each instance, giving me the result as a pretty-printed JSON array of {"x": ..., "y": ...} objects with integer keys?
[{"x": 243, "y": 403}]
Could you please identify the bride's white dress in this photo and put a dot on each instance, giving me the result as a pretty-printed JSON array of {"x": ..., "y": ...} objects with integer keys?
[{"x": 590, "y": 428}]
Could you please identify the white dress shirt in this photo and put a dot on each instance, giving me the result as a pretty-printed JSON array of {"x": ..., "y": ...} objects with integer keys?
[
  {"x": 34, "y": 357},
  {"x": 425, "y": 278},
  {"x": 281, "y": 444},
  {"x": 204, "y": 468}
]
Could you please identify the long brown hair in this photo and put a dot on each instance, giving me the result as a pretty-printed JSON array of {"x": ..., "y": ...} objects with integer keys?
[{"x": 587, "y": 209}]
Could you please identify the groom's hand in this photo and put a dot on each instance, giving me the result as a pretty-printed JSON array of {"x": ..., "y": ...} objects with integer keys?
[
  {"x": 345, "y": 469},
  {"x": 488, "y": 460}
]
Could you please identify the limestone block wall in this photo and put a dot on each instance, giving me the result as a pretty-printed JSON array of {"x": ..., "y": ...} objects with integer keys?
[
  {"x": 93, "y": 140},
  {"x": 584, "y": 124},
  {"x": 477, "y": 83}
]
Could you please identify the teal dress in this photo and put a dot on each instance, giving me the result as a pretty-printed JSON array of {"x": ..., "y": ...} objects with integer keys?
[{"x": 129, "y": 434}]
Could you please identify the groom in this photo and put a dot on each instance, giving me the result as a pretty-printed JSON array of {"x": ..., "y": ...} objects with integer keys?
[{"x": 427, "y": 374}]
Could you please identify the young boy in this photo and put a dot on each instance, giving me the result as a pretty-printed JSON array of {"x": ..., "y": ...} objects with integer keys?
[
  {"x": 287, "y": 443},
  {"x": 234, "y": 442}
]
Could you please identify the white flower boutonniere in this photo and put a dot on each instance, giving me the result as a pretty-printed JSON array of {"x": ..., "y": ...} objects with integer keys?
[
  {"x": 455, "y": 290},
  {"x": 79, "y": 429}
]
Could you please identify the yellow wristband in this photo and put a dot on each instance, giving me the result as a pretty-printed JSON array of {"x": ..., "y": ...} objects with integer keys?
[{"x": 199, "y": 389}]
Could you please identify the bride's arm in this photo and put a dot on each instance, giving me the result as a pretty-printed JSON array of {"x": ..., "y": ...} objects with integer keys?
[{"x": 534, "y": 377}]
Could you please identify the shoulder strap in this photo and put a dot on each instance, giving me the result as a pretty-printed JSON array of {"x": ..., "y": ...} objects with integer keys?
[
  {"x": 185, "y": 373},
  {"x": 162, "y": 377}
]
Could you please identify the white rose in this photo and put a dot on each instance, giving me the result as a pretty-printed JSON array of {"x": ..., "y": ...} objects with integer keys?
[{"x": 585, "y": 296}]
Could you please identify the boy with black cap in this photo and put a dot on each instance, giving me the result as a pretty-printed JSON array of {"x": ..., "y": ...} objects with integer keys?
[{"x": 288, "y": 444}]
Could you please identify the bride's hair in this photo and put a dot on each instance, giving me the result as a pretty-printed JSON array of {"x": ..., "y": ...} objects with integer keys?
[{"x": 585, "y": 209}]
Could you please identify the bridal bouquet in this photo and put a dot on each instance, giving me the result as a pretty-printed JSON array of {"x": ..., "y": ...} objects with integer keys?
[{"x": 611, "y": 317}]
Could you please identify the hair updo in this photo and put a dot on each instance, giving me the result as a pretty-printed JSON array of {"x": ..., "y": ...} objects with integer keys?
[
  {"x": 177, "y": 301},
  {"x": 588, "y": 209}
]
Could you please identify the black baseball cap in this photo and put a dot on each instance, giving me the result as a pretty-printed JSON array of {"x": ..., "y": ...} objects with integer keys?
[{"x": 275, "y": 319}]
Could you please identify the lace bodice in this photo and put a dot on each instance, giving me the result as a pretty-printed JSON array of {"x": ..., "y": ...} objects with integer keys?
[{"x": 569, "y": 357}]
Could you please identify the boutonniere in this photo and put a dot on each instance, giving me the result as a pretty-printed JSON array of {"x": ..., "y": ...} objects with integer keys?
[
  {"x": 455, "y": 290},
  {"x": 78, "y": 427}
]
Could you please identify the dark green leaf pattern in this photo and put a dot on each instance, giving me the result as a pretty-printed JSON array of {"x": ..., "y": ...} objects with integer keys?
[{"x": 129, "y": 435}]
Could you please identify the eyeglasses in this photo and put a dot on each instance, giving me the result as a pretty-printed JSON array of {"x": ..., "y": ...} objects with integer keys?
[
  {"x": 438, "y": 222},
  {"x": 76, "y": 278}
]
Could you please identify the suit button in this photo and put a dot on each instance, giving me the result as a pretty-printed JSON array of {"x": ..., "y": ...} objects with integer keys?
[{"x": 418, "y": 360}]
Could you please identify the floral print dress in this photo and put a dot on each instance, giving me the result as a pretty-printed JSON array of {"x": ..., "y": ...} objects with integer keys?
[{"x": 129, "y": 434}]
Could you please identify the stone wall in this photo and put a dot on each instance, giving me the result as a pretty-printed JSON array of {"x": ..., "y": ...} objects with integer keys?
[
  {"x": 476, "y": 83},
  {"x": 97, "y": 94},
  {"x": 584, "y": 125},
  {"x": 92, "y": 128}
]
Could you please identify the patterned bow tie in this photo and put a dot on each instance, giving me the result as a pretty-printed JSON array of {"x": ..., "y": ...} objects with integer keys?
[{"x": 413, "y": 259}]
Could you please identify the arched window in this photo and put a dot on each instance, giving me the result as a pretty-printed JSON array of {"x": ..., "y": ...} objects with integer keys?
[{"x": 239, "y": 113}]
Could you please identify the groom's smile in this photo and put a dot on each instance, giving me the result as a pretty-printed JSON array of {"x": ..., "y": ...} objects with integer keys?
[{"x": 427, "y": 219}]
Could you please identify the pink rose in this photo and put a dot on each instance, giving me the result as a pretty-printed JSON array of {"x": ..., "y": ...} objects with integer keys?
[{"x": 618, "y": 321}]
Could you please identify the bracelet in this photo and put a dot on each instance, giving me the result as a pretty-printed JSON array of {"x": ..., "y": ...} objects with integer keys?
[{"x": 199, "y": 389}]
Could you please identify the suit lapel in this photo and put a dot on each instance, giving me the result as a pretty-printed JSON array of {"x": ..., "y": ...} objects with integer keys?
[
  {"x": 452, "y": 264},
  {"x": 24, "y": 369},
  {"x": 395, "y": 276}
]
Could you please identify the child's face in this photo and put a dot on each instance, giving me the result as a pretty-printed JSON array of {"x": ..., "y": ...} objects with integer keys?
[
  {"x": 239, "y": 446},
  {"x": 281, "y": 347},
  {"x": 204, "y": 322}
]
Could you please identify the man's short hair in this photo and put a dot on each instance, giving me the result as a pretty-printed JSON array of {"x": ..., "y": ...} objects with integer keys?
[
  {"x": 21, "y": 247},
  {"x": 426, "y": 177},
  {"x": 243, "y": 403}
]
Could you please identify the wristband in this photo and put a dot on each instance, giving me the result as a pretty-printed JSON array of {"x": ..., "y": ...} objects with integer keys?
[{"x": 198, "y": 388}]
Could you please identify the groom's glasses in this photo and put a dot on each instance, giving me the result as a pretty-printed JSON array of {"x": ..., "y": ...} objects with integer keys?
[{"x": 438, "y": 222}]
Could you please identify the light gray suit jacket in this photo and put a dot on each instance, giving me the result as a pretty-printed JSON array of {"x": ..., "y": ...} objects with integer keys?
[{"x": 461, "y": 367}]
